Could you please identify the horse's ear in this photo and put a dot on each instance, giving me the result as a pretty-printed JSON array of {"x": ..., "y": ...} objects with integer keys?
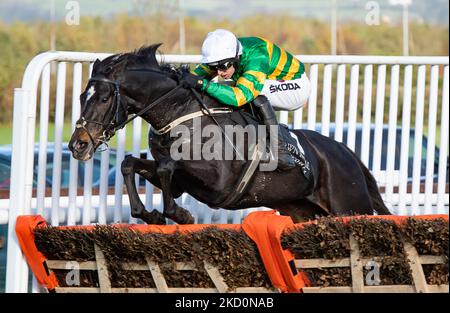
[
  {"x": 120, "y": 67},
  {"x": 95, "y": 66},
  {"x": 149, "y": 54},
  {"x": 156, "y": 46},
  {"x": 152, "y": 53}
]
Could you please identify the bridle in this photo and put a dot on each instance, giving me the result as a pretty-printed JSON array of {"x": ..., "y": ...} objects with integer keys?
[
  {"x": 109, "y": 127},
  {"x": 116, "y": 122}
]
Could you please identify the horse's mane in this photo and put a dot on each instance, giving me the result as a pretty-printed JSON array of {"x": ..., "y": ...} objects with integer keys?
[{"x": 142, "y": 58}]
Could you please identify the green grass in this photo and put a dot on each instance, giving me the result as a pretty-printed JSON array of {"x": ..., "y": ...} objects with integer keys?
[{"x": 5, "y": 134}]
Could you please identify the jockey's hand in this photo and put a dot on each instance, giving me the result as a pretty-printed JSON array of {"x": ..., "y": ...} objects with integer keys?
[{"x": 189, "y": 80}]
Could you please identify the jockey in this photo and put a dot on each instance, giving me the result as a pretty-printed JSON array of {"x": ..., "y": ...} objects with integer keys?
[{"x": 263, "y": 73}]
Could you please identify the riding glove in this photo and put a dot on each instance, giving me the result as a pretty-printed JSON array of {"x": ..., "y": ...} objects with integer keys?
[{"x": 189, "y": 80}]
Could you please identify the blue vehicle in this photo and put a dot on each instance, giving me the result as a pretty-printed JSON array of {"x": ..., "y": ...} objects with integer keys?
[
  {"x": 5, "y": 167},
  {"x": 384, "y": 149}
]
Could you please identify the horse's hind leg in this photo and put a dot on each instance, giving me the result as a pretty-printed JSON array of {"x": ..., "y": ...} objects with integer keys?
[
  {"x": 301, "y": 211},
  {"x": 147, "y": 169},
  {"x": 176, "y": 213}
]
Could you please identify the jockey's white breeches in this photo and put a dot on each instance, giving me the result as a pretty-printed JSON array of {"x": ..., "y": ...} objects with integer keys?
[{"x": 287, "y": 94}]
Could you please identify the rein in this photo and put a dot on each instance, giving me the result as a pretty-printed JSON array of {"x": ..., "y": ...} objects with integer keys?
[{"x": 147, "y": 108}]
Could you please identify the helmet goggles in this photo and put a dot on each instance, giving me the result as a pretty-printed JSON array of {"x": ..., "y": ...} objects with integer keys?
[{"x": 221, "y": 65}]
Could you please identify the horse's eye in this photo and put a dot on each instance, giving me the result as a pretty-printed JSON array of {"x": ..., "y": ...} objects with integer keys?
[{"x": 105, "y": 99}]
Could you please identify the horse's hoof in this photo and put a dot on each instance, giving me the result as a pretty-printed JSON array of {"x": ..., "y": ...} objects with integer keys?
[
  {"x": 154, "y": 217},
  {"x": 182, "y": 216},
  {"x": 189, "y": 219}
]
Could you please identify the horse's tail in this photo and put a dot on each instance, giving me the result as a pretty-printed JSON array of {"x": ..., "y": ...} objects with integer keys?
[{"x": 378, "y": 203}]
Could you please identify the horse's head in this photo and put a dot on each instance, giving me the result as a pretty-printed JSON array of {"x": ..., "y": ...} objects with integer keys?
[{"x": 112, "y": 91}]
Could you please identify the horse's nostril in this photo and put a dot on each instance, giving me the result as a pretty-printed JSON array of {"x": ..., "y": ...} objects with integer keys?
[{"x": 81, "y": 145}]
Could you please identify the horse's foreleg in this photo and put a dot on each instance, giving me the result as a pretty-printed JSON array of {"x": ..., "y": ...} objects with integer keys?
[
  {"x": 146, "y": 168},
  {"x": 176, "y": 213}
]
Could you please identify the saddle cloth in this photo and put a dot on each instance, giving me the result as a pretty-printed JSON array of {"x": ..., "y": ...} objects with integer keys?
[{"x": 292, "y": 143}]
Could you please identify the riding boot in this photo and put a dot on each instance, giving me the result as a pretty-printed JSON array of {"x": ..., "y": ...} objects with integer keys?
[{"x": 285, "y": 159}]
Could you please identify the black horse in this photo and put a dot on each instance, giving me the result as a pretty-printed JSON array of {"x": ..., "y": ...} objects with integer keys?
[{"x": 134, "y": 83}]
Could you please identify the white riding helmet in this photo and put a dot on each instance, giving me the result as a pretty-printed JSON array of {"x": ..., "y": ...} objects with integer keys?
[{"x": 219, "y": 45}]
